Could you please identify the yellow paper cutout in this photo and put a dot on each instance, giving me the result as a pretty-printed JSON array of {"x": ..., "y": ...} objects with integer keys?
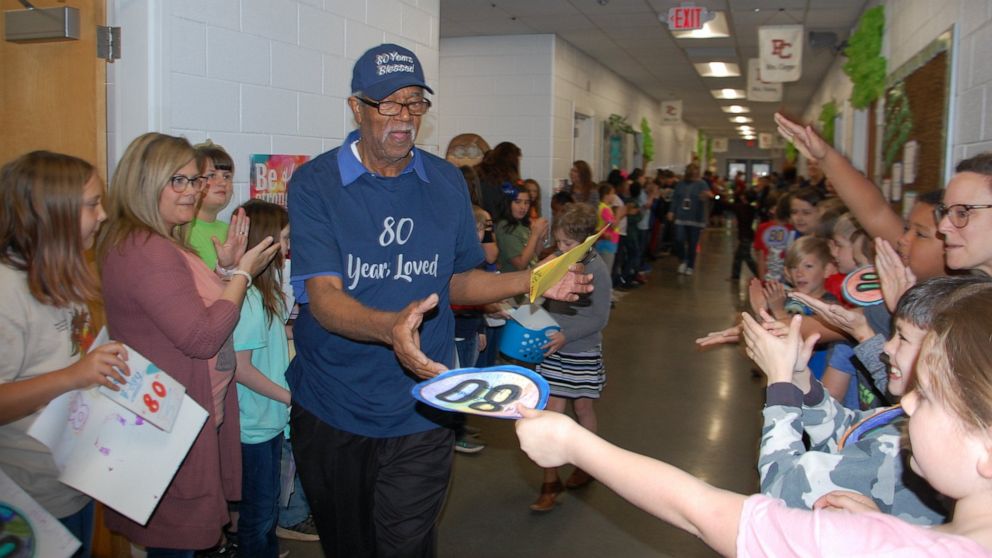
[{"x": 544, "y": 276}]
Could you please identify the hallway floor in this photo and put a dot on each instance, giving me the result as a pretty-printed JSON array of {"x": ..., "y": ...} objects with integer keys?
[{"x": 699, "y": 411}]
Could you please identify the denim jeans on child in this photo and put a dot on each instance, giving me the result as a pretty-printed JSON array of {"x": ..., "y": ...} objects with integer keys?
[{"x": 259, "y": 506}]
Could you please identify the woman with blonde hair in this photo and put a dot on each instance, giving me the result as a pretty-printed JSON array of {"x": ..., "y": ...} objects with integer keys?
[{"x": 164, "y": 302}]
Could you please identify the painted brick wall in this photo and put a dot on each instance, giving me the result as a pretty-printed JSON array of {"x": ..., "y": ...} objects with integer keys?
[
  {"x": 500, "y": 87},
  {"x": 526, "y": 89},
  {"x": 255, "y": 76},
  {"x": 910, "y": 26},
  {"x": 586, "y": 86}
]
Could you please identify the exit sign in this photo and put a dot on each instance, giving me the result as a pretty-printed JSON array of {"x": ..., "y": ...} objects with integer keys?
[{"x": 687, "y": 18}]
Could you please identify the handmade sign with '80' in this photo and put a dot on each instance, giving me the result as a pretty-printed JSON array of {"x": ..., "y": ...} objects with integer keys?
[{"x": 149, "y": 392}]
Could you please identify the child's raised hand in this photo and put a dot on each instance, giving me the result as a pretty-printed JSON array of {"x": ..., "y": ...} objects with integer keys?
[
  {"x": 854, "y": 502},
  {"x": 852, "y": 322},
  {"x": 229, "y": 253},
  {"x": 778, "y": 357},
  {"x": 730, "y": 335},
  {"x": 804, "y": 138},
  {"x": 254, "y": 261},
  {"x": 545, "y": 436},
  {"x": 756, "y": 295},
  {"x": 555, "y": 343},
  {"x": 538, "y": 226},
  {"x": 775, "y": 297},
  {"x": 105, "y": 365},
  {"x": 895, "y": 277}
]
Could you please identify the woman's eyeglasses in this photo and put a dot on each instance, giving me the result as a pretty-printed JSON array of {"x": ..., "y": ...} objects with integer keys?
[
  {"x": 180, "y": 182},
  {"x": 958, "y": 213}
]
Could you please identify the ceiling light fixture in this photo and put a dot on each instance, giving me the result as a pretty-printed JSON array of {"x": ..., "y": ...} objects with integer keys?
[
  {"x": 728, "y": 93},
  {"x": 735, "y": 109},
  {"x": 741, "y": 119},
  {"x": 718, "y": 69},
  {"x": 714, "y": 28}
]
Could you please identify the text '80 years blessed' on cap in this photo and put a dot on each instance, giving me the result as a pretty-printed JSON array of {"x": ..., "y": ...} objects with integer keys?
[{"x": 386, "y": 68}]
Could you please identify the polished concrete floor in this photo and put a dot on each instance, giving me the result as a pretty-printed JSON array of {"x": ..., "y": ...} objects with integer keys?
[{"x": 697, "y": 410}]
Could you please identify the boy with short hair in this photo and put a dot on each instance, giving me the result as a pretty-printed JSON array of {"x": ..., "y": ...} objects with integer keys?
[{"x": 857, "y": 450}]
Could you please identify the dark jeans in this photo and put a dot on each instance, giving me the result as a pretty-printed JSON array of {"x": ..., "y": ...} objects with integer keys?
[
  {"x": 80, "y": 524},
  {"x": 686, "y": 240},
  {"x": 743, "y": 255},
  {"x": 468, "y": 350},
  {"x": 259, "y": 506},
  {"x": 373, "y": 496},
  {"x": 488, "y": 357},
  {"x": 631, "y": 249}
]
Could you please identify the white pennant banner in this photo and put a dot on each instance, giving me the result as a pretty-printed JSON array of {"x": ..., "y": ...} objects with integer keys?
[
  {"x": 761, "y": 91},
  {"x": 671, "y": 112},
  {"x": 780, "y": 49}
]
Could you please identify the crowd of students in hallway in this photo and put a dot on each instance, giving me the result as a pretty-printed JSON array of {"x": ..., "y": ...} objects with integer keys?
[{"x": 208, "y": 302}]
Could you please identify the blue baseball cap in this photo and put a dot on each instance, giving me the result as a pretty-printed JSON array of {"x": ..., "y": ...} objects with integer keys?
[{"x": 386, "y": 68}]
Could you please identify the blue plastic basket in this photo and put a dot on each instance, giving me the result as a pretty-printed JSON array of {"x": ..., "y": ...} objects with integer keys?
[{"x": 519, "y": 342}]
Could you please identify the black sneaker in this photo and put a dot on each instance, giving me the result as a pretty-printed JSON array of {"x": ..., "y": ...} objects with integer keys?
[
  {"x": 304, "y": 531},
  {"x": 226, "y": 550}
]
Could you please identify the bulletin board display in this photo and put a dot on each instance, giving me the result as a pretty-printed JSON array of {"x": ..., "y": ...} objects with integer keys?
[{"x": 917, "y": 93}]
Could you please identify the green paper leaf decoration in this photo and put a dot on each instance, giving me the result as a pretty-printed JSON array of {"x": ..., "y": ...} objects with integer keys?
[
  {"x": 865, "y": 64},
  {"x": 648, "y": 141},
  {"x": 618, "y": 125},
  {"x": 898, "y": 124},
  {"x": 828, "y": 115}
]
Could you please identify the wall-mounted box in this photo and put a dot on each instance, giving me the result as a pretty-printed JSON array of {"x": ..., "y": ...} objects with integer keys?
[{"x": 41, "y": 24}]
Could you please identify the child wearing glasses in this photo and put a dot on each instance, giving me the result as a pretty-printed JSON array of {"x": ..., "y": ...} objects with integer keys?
[{"x": 206, "y": 229}]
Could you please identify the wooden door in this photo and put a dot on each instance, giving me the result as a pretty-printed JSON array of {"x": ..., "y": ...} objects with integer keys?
[{"x": 54, "y": 94}]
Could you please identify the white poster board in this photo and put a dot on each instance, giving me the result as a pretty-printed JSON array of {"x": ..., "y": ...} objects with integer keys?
[{"x": 112, "y": 454}]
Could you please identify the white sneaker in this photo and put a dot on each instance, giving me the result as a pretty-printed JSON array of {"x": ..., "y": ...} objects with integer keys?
[
  {"x": 688, "y": 271},
  {"x": 682, "y": 268}
]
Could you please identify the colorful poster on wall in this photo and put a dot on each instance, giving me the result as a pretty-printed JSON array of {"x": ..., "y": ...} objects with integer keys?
[{"x": 270, "y": 175}]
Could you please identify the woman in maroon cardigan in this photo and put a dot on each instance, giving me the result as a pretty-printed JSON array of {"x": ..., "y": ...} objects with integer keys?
[{"x": 163, "y": 301}]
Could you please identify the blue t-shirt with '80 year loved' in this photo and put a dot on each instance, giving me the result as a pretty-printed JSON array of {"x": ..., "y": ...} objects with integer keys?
[{"x": 391, "y": 241}]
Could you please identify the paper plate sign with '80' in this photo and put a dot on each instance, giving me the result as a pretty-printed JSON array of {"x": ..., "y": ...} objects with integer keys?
[
  {"x": 148, "y": 392},
  {"x": 491, "y": 392}
]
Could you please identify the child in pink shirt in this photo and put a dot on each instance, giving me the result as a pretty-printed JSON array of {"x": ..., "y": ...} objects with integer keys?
[{"x": 950, "y": 428}]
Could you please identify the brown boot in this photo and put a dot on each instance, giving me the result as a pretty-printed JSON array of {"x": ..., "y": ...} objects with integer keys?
[
  {"x": 549, "y": 493},
  {"x": 578, "y": 479}
]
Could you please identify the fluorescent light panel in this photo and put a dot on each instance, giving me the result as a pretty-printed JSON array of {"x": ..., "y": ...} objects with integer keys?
[
  {"x": 718, "y": 69},
  {"x": 728, "y": 93},
  {"x": 716, "y": 27}
]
